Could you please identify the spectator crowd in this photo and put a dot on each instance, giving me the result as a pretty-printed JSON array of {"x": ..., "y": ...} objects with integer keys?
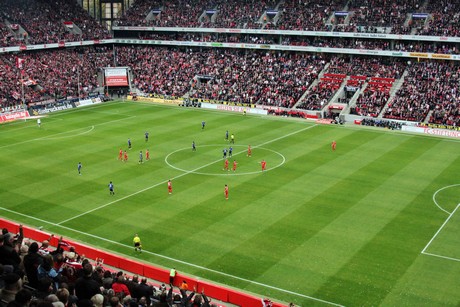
[
  {"x": 267, "y": 78},
  {"x": 374, "y": 16},
  {"x": 35, "y": 274},
  {"x": 51, "y": 74},
  {"x": 62, "y": 20},
  {"x": 429, "y": 87},
  {"x": 43, "y": 22},
  {"x": 275, "y": 79}
]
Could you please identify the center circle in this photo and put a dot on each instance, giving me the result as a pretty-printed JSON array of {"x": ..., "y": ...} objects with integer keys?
[{"x": 210, "y": 155}]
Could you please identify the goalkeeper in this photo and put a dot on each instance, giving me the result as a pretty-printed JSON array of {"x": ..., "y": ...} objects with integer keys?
[{"x": 137, "y": 243}]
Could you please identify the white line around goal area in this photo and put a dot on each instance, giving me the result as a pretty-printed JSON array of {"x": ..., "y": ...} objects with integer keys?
[
  {"x": 180, "y": 261},
  {"x": 176, "y": 177},
  {"x": 439, "y": 230}
]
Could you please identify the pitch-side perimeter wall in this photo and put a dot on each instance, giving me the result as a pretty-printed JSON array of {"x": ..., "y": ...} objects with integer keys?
[{"x": 432, "y": 131}]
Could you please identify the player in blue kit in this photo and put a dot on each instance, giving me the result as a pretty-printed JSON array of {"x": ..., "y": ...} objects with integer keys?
[
  {"x": 79, "y": 168},
  {"x": 203, "y": 123},
  {"x": 224, "y": 153},
  {"x": 112, "y": 192},
  {"x": 129, "y": 143},
  {"x": 146, "y": 136},
  {"x": 141, "y": 158},
  {"x": 230, "y": 152},
  {"x": 193, "y": 146}
]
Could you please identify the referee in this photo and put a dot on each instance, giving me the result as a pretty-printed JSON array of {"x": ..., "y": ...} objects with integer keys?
[{"x": 137, "y": 243}]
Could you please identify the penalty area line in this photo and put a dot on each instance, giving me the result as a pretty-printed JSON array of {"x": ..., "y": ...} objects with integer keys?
[
  {"x": 179, "y": 261},
  {"x": 441, "y": 256},
  {"x": 56, "y": 135},
  {"x": 437, "y": 232}
]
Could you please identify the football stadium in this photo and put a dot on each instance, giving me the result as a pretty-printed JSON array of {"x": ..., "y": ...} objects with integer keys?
[{"x": 229, "y": 153}]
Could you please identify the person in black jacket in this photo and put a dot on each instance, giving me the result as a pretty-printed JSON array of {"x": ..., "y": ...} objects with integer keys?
[
  {"x": 9, "y": 255},
  {"x": 86, "y": 286},
  {"x": 31, "y": 263},
  {"x": 143, "y": 290}
]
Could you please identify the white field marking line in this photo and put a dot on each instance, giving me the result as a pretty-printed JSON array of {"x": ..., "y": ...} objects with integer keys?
[
  {"x": 16, "y": 129},
  {"x": 115, "y": 120},
  {"x": 68, "y": 136},
  {"x": 440, "y": 228},
  {"x": 178, "y": 261},
  {"x": 283, "y": 158},
  {"x": 176, "y": 177},
  {"x": 22, "y": 122},
  {"x": 19, "y": 122},
  {"x": 441, "y": 256},
  {"x": 64, "y": 132},
  {"x": 435, "y": 193}
]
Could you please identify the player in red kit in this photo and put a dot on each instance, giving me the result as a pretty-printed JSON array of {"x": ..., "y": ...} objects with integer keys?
[
  {"x": 264, "y": 165},
  {"x": 125, "y": 158},
  {"x": 120, "y": 155},
  {"x": 147, "y": 154},
  {"x": 226, "y": 165},
  {"x": 234, "y": 165},
  {"x": 169, "y": 186},
  {"x": 249, "y": 150},
  {"x": 333, "y": 145},
  {"x": 226, "y": 192}
]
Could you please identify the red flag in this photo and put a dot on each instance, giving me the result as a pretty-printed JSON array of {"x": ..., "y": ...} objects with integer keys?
[{"x": 19, "y": 62}]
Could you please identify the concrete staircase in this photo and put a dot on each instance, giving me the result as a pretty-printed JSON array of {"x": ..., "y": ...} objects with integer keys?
[
  {"x": 19, "y": 33},
  {"x": 312, "y": 85},
  {"x": 394, "y": 89},
  {"x": 355, "y": 97},
  {"x": 72, "y": 28},
  {"x": 154, "y": 13}
]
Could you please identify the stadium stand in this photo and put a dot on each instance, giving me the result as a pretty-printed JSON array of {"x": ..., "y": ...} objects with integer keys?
[
  {"x": 444, "y": 21},
  {"x": 390, "y": 91},
  {"x": 221, "y": 14},
  {"x": 56, "y": 21},
  {"x": 278, "y": 79},
  {"x": 308, "y": 15},
  {"x": 275, "y": 79},
  {"x": 374, "y": 16},
  {"x": 51, "y": 74},
  {"x": 317, "y": 41},
  {"x": 429, "y": 86}
]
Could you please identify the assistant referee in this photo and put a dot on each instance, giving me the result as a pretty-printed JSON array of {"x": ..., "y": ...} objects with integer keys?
[{"x": 137, "y": 243}]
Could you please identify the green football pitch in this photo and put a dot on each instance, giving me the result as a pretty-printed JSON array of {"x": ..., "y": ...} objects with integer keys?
[{"x": 374, "y": 222}]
